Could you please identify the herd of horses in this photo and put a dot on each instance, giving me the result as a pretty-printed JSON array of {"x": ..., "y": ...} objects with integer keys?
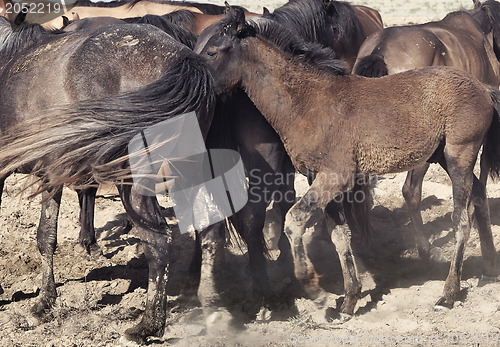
[{"x": 278, "y": 88}]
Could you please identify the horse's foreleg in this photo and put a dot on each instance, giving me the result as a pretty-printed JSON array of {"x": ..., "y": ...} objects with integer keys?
[
  {"x": 156, "y": 238},
  {"x": 47, "y": 240},
  {"x": 412, "y": 192},
  {"x": 482, "y": 216},
  {"x": 86, "y": 198}
]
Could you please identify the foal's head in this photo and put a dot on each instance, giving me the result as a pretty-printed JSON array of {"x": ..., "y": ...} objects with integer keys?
[
  {"x": 224, "y": 45},
  {"x": 220, "y": 44}
]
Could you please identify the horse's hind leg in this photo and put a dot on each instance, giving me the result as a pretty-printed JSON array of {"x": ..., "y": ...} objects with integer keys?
[
  {"x": 212, "y": 240},
  {"x": 47, "y": 240},
  {"x": 341, "y": 238},
  {"x": 304, "y": 214},
  {"x": 86, "y": 198},
  {"x": 459, "y": 165},
  {"x": 412, "y": 192},
  {"x": 482, "y": 216},
  {"x": 156, "y": 238}
]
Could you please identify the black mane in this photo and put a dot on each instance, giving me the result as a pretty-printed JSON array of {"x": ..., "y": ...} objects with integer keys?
[
  {"x": 204, "y": 8},
  {"x": 89, "y": 3},
  {"x": 321, "y": 57},
  {"x": 315, "y": 22},
  {"x": 170, "y": 24}
]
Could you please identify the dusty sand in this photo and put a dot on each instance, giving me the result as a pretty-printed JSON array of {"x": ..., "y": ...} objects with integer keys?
[{"x": 101, "y": 296}]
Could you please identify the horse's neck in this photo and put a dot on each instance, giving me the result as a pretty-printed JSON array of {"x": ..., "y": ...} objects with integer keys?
[{"x": 279, "y": 88}]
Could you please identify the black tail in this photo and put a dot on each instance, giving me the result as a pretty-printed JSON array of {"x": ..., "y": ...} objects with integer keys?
[
  {"x": 357, "y": 209},
  {"x": 371, "y": 66},
  {"x": 491, "y": 147},
  {"x": 87, "y": 140}
]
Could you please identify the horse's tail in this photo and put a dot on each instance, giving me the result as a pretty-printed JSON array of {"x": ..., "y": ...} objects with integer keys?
[
  {"x": 87, "y": 140},
  {"x": 372, "y": 65},
  {"x": 491, "y": 146}
]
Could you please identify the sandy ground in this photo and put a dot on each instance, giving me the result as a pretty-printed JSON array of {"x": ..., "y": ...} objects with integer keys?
[{"x": 101, "y": 296}]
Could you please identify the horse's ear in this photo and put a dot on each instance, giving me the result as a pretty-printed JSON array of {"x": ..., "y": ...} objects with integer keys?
[
  {"x": 477, "y": 3},
  {"x": 21, "y": 16},
  {"x": 65, "y": 21},
  {"x": 265, "y": 11}
]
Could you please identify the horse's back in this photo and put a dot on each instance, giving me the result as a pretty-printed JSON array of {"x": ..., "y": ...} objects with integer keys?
[
  {"x": 404, "y": 48},
  {"x": 87, "y": 64}
]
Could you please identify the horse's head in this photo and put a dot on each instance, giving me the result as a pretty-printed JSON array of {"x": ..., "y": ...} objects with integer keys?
[
  {"x": 487, "y": 16},
  {"x": 221, "y": 45}
]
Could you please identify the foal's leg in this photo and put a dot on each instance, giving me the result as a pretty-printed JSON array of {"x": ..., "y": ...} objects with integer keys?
[
  {"x": 156, "y": 238},
  {"x": 305, "y": 213},
  {"x": 46, "y": 240},
  {"x": 412, "y": 192},
  {"x": 459, "y": 165},
  {"x": 86, "y": 198},
  {"x": 482, "y": 216},
  {"x": 341, "y": 238}
]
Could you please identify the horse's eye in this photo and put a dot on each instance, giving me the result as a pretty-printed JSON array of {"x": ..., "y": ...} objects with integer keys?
[{"x": 211, "y": 53}]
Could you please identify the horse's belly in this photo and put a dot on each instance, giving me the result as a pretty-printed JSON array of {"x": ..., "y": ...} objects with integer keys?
[{"x": 383, "y": 160}]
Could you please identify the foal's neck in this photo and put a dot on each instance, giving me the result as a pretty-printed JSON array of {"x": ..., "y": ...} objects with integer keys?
[{"x": 279, "y": 87}]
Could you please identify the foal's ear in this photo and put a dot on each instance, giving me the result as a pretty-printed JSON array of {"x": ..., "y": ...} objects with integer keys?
[
  {"x": 477, "y": 3},
  {"x": 265, "y": 11},
  {"x": 236, "y": 18}
]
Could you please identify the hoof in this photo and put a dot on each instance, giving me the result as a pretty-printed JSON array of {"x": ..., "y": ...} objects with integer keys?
[
  {"x": 43, "y": 309},
  {"x": 219, "y": 322},
  {"x": 338, "y": 317},
  {"x": 444, "y": 302},
  {"x": 140, "y": 333}
]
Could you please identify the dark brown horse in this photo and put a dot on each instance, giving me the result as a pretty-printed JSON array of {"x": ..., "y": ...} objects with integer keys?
[
  {"x": 335, "y": 24},
  {"x": 107, "y": 85},
  {"x": 466, "y": 40},
  {"x": 268, "y": 166},
  {"x": 337, "y": 127}
]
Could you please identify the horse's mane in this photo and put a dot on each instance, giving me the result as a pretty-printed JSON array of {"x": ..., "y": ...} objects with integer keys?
[
  {"x": 312, "y": 21},
  {"x": 305, "y": 17},
  {"x": 14, "y": 39},
  {"x": 168, "y": 24},
  {"x": 90, "y": 3},
  {"x": 204, "y": 8},
  {"x": 344, "y": 20},
  {"x": 321, "y": 57}
]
